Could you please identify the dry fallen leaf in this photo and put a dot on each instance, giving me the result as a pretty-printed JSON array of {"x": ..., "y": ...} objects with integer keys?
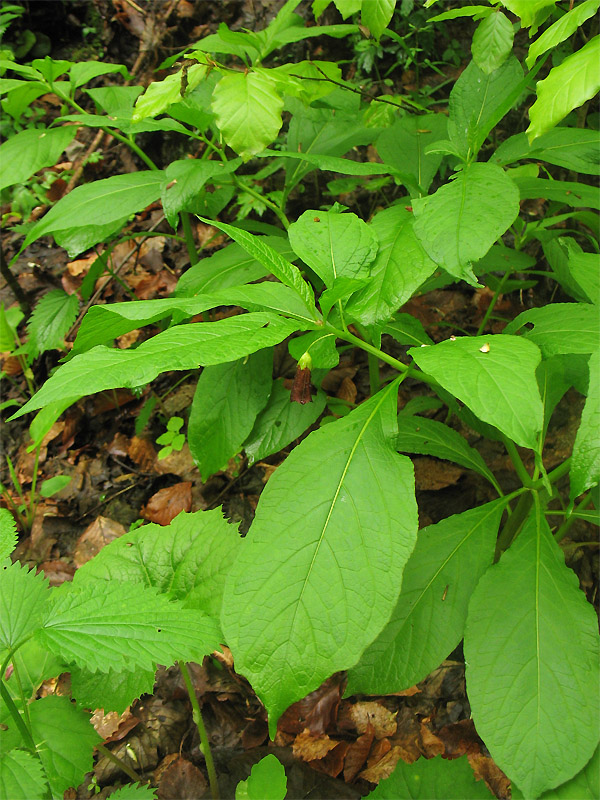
[
  {"x": 357, "y": 754},
  {"x": 166, "y": 504},
  {"x": 372, "y": 713},
  {"x": 181, "y": 780},
  {"x": 101, "y": 532},
  {"x": 309, "y": 747},
  {"x": 347, "y": 390},
  {"x": 141, "y": 452},
  {"x": 432, "y": 475},
  {"x": 383, "y": 768}
]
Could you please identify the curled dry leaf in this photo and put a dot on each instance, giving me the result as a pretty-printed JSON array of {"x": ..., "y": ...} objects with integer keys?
[
  {"x": 383, "y": 768},
  {"x": 102, "y": 531},
  {"x": 372, "y": 713},
  {"x": 309, "y": 747},
  {"x": 357, "y": 754},
  {"x": 485, "y": 769},
  {"x": 347, "y": 390},
  {"x": 142, "y": 452},
  {"x": 166, "y": 504}
]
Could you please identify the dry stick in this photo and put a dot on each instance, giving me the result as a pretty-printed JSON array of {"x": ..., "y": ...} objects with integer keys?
[
  {"x": 14, "y": 285},
  {"x": 83, "y": 161}
]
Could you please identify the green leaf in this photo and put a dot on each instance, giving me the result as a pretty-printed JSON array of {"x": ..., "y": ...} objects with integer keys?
[
  {"x": 267, "y": 781},
  {"x": 161, "y": 94},
  {"x": 326, "y": 526},
  {"x": 560, "y": 328},
  {"x": 9, "y": 322},
  {"x": 226, "y": 403},
  {"x": 262, "y": 251},
  {"x": 585, "y": 464},
  {"x": 21, "y": 776},
  {"x": 403, "y": 145},
  {"x": 333, "y": 244},
  {"x": 109, "y": 200},
  {"x": 23, "y": 599},
  {"x": 376, "y": 15},
  {"x": 51, "y": 319},
  {"x": 331, "y": 163},
  {"x": 8, "y": 533},
  {"x": 400, "y": 267},
  {"x": 561, "y": 29},
  {"x": 52, "y": 486},
  {"x": 532, "y": 655},
  {"x": 492, "y": 42},
  {"x": 248, "y": 109},
  {"x": 572, "y": 194},
  {"x": 189, "y": 176},
  {"x": 479, "y": 101},
  {"x": 280, "y": 422},
  {"x": 406, "y": 329},
  {"x": 497, "y": 382},
  {"x": 34, "y": 664},
  {"x": 461, "y": 221},
  {"x": 134, "y": 791},
  {"x": 567, "y": 87},
  {"x": 43, "y": 421},
  {"x": 179, "y": 348},
  {"x": 319, "y": 345},
  {"x": 527, "y": 9},
  {"x": 584, "y": 786},
  {"x": 26, "y": 152},
  {"x": 433, "y": 779},
  {"x": 477, "y": 12},
  {"x": 124, "y": 626},
  {"x": 584, "y": 269},
  {"x": 429, "y": 619},
  {"x": 78, "y": 240},
  {"x": 114, "y": 691},
  {"x": 428, "y": 437},
  {"x": 187, "y": 560},
  {"x": 84, "y": 71},
  {"x": 576, "y": 149}
]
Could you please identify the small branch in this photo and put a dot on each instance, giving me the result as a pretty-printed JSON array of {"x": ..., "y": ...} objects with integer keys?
[{"x": 14, "y": 285}]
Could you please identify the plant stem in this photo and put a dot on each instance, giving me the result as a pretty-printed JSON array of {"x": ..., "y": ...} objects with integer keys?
[
  {"x": 493, "y": 302},
  {"x": 204, "y": 743},
  {"x": 119, "y": 763},
  {"x": 14, "y": 285},
  {"x": 564, "y": 528},
  {"x": 18, "y": 719},
  {"x": 189, "y": 238},
  {"x": 513, "y": 453},
  {"x": 513, "y": 524},
  {"x": 258, "y": 196},
  {"x": 372, "y": 360}
]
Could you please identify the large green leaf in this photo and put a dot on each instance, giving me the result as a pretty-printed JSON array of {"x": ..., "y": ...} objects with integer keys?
[
  {"x": 344, "y": 166},
  {"x": 376, "y": 15},
  {"x": 429, "y": 619},
  {"x": 406, "y": 329},
  {"x": 108, "y": 200},
  {"x": 184, "y": 181},
  {"x": 492, "y": 42},
  {"x": 124, "y": 626},
  {"x": 334, "y": 245},
  {"x": 561, "y": 29},
  {"x": 585, "y": 464},
  {"x": 21, "y": 776},
  {"x": 479, "y": 101},
  {"x": 182, "y": 347},
  {"x": 433, "y": 779},
  {"x": 584, "y": 786},
  {"x": 494, "y": 376},
  {"x": 532, "y": 655},
  {"x": 577, "y": 149},
  {"x": 23, "y": 600},
  {"x": 527, "y": 9},
  {"x": 321, "y": 568},
  {"x": 573, "y": 194},
  {"x": 26, "y": 152},
  {"x": 400, "y": 267},
  {"x": 8, "y": 533},
  {"x": 226, "y": 403},
  {"x": 461, "y": 221},
  {"x": 428, "y": 437},
  {"x": 568, "y": 86},
  {"x": 560, "y": 328},
  {"x": 280, "y": 422},
  {"x": 112, "y": 691},
  {"x": 403, "y": 145},
  {"x": 248, "y": 109}
]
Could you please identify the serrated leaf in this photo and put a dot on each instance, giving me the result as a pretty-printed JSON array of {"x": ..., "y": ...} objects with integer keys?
[
  {"x": 23, "y": 603},
  {"x": 429, "y": 618},
  {"x": 248, "y": 109},
  {"x": 460, "y": 222},
  {"x": 584, "y": 786},
  {"x": 376, "y": 15},
  {"x": 432, "y": 779},
  {"x": 28, "y": 151},
  {"x": 576, "y": 149},
  {"x": 560, "y": 328},
  {"x": 182, "y": 347},
  {"x": 135, "y": 791},
  {"x": 189, "y": 176},
  {"x": 334, "y": 245},
  {"x": 400, "y": 267},
  {"x": 585, "y": 463},
  {"x": 124, "y": 626},
  {"x": 109, "y": 200},
  {"x": 21, "y": 776},
  {"x": 323, "y": 528},
  {"x": 159, "y": 95},
  {"x": 51, "y": 319},
  {"x": 532, "y": 655},
  {"x": 568, "y": 86},
  {"x": 112, "y": 691},
  {"x": 428, "y": 437},
  {"x": 280, "y": 422},
  {"x": 267, "y": 781},
  {"x": 188, "y": 559},
  {"x": 226, "y": 402},
  {"x": 492, "y": 42},
  {"x": 8, "y": 533},
  {"x": 497, "y": 383},
  {"x": 561, "y": 29}
]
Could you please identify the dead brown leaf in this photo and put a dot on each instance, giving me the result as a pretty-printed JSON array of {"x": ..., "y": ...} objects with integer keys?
[
  {"x": 369, "y": 712},
  {"x": 101, "y": 532},
  {"x": 181, "y": 780},
  {"x": 383, "y": 768},
  {"x": 432, "y": 744},
  {"x": 166, "y": 504},
  {"x": 357, "y": 754},
  {"x": 113, "y": 727},
  {"x": 486, "y": 769},
  {"x": 347, "y": 390},
  {"x": 309, "y": 747},
  {"x": 432, "y": 475},
  {"x": 127, "y": 339},
  {"x": 57, "y": 571},
  {"x": 141, "y": 452},
  {"x": 315, "y": 712}
]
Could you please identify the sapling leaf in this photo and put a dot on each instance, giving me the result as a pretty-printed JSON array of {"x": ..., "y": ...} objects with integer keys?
[
  {"x": 51, "y": 319},
  {"x": 226, "y": 402},
  {"x": 376, "y": 15},
  {"x": 561, "y": 29},
  {"x": 585, "y": 464},
  {"x": 532, "y": 655},
  {"x": 403, "y": 145},
  {"x": 321, "y": 568},
  {"x": 429, "y": 618},
  {"x": 494, "y": 376},
  {"x": 572, "y": 194},
  {"x": 135, "y": 791},
  {"x": 560, "y": 328},
  {"x": 407, "y": 329},
  {"x": 28, "y": 151},
  {"x": 184, "y": 181},
  {"x": 21, "y": 776},
  {"x": 492, "y": 42},
  {"x": 53, "y": 485},
  {"x": 573, "y": 148},
  {"x": 112, "y": 691},
  {"x": 8, "y": 533},
  {"x": 124, "y": 626},
  {"x": 344, "y": 166},
  {"x": 432, "y": 779},
  {"x": 23, "y": 603},
  {"x": 159, "y": 95},
  {"x": 527, "y": 10},
  {"x": 267, "y": 781},
  {"x": 84, "y": 71}
]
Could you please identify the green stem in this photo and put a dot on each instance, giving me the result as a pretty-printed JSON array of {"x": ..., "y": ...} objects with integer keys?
[
  {"x": 513, "y": 453},
  {"x": 513, "y": 524},
  {"x": 564, "y": 528},
  {"x": 493, "y": 302},
  {"x": 204, "y": 743},
  {"x": 129, "y": 771},
  {"x": 257, "y": 195},
  {"x": 189, "y": 238},
  {"x": 373, "y": 361},
  {"x": 18, "y": 719}
]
